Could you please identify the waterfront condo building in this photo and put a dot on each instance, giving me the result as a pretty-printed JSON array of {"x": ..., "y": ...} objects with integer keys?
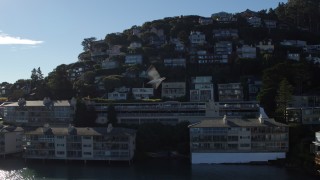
[
  {"x": 10, "y": 139},
  {"x": 316, "y": 144},
  {"x": 71, "y": 143},
  {"x": 38, "y": 113},
  {"x": 237, "y": 140}
]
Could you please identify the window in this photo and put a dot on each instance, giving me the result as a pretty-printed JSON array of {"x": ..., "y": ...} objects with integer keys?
[
  {"x": 60, "y": 152},
  {"x": 87, "y": 153}
]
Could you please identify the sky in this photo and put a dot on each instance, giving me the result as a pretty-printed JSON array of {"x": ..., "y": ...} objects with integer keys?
[{"x": 48, "y": 33}]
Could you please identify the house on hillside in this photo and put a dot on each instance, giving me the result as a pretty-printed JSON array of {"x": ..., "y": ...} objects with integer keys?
[
  {"x": 230, "y": 92},
  {"x": 201, "y": 89},
  {"x": 197, "y": 38},
  {"x": 265, "y": 47},
  {"x": 254, "y": 21},
  {"x": 222, "y": 51},
  {"x": 247, "y": 52},
  {"x": 173, "y": 90},
  {"x": 133, "y": 59},
  {"x": 98, "y": 50},
  {"x": 225, "y": 34},
  {"x": 142, "y": 93}
]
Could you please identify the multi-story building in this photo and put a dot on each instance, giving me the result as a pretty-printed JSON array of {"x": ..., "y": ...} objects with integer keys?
[
  {"x": 38, "y": 113},
  {"x": 203, "y": 57},
  {"x": 222, "y": 51},
  {"x": 240, "y": 109},
  {"x": 225, "y": 34},
  {"x": 247, "y": 52},
  {"x": 142, "y": 93},
  {"x": 173, "y": 112},
  {"x": 197, "y": 38},
  {"x": 173, "y": 90},
  {"x": 71, "y": 143},
  {"x": 316, "y": 150},
  {"x": 238, "y": 140},
  {"x": 10, "y": 139},
  {"x": 201, "y": 89},
  {"x": 230, "y": 92},
  {"x": 304, "y": 109}
]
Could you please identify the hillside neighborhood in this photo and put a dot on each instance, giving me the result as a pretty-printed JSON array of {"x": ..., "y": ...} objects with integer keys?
[{"x": 229, "y": 88}]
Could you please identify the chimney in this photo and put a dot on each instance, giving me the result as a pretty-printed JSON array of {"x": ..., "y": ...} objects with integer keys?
[
  {"x": 261, "y": 120},
  {"x": 224, "y": 120}
]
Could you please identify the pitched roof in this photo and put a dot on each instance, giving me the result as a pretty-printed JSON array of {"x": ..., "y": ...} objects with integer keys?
[{"x": 236, "y": 122}]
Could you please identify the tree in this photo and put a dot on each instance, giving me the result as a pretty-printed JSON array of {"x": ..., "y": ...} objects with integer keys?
[
  {"x": 86, "y": 43},
  {"x": 111, "y": 82},
  {"x": 283, "y": 98},
  {"x": 59, "y": 83},
  {"x": 84, "y": 116}
]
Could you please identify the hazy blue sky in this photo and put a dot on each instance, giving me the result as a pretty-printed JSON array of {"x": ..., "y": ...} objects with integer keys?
[{"x": 47, "y": 33}]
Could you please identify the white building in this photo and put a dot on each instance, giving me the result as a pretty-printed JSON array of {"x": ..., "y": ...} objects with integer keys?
[
  {"x": 235, "y": 140},
  {"x": 10, "y": 139}
]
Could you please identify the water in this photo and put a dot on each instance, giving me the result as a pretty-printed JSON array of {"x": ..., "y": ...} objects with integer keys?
[{"x": 17, "y": 169}]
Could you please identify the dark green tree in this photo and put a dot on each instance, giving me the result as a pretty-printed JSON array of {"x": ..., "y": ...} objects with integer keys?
[
  {"x": 59, "y": 83},
  {"x": 283, "y": 98},
  {"x": 86, "y": 43}
]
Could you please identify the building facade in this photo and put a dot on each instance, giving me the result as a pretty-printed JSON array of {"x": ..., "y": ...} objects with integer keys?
[
  {"x": 201, "y": 89},
  {"x": 230, "y": 92},
  {"x": 10, "y": 139},
  {"x": 70, "y": 143},
  {"x": 232, "y": 140},
  {"x": 38, "y": 113},
  {"x": 173, "y": 90},
  {"x": 316, "y": 151}
]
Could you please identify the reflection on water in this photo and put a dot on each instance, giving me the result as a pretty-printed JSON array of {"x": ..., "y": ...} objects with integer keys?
[
  {"x": 17, "y": 169},
  {"x": 17, "y": 174}
]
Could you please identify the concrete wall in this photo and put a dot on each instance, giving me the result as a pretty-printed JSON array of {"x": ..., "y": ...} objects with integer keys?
[{"x": 216, "y": 158}]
